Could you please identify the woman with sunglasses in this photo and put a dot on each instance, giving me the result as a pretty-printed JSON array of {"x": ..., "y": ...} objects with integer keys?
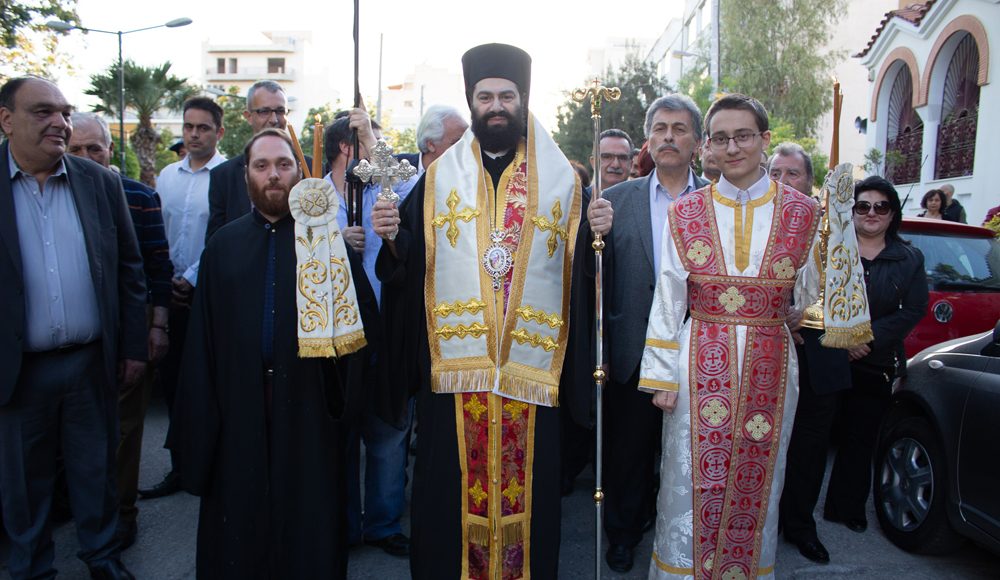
[{"x": 897, "y": 299}]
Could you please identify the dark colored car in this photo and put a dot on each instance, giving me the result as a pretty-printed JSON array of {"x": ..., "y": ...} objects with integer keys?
[
  {"x": 937, "y": 462},
  {"x": 963, "y": 274}
]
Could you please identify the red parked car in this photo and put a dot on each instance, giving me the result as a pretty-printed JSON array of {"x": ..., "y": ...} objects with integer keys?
[{"x": 963, "y": 274}]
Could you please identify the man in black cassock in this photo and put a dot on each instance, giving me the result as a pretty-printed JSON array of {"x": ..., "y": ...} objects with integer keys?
[
  {"x": 487, "y": 338},
  {"x": 260, "y": 430}
]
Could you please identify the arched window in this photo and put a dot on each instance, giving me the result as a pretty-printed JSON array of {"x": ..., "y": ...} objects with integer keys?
[
  {"x": 956, "y": 145},
  {"x": 905, "y": 135}
]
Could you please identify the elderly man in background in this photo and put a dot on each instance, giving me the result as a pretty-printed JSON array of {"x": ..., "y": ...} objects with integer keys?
[{"x": 91, "y": 139}]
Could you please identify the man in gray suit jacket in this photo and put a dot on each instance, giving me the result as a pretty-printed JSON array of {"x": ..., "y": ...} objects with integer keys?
[
  {"x": 673, "y": 128},
  {"x": 72, "y": 325}
]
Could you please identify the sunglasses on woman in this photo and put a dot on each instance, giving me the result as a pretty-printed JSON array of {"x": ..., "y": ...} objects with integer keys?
[{"x": 863, "y": 207}]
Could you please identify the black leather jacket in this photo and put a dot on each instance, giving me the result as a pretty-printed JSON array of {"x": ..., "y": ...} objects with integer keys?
[{"x": 897, "y": 300}]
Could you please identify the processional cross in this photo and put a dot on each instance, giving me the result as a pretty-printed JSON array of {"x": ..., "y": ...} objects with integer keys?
[{"x": 386, "y": 169}]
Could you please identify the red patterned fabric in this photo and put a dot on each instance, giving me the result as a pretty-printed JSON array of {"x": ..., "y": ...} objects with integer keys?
[
  {"x": 736, "y": 420},
  {"x": 513, "y": 460}
]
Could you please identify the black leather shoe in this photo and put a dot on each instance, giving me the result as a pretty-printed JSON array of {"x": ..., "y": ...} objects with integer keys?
[
  {"x": 110, "y": 570},
  {"x": 814, "y": 550},
  {"x": 620, "y": 558},
  {"x": 854, "y": 524},
  {"x": 394, "y": 545},
  {"x": 126, "y": 534},
  {"x": 170, "y": 485}
]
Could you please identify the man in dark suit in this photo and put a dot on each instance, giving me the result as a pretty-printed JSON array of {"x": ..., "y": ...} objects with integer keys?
[
  {"x": 72, "y": 328},
  {"x": 267, "y": 106},
  {"x": 631, "y": 255},
  {"x": 823, "y": 373}
]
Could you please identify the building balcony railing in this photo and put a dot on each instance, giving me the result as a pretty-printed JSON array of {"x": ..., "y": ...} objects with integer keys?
[
  {"x": 250, "y": 74},
  {"x": 903, "y": 157},
  {"x": 956, "y": 146}
]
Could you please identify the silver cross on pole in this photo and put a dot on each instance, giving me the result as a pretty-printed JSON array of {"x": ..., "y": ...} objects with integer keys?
[{"x": 385, "y": 169}]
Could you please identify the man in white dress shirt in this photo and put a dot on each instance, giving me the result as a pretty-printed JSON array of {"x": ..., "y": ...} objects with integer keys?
[{"x": 183, "y": 188}]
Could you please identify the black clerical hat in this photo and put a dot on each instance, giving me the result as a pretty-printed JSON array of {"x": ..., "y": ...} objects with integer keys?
[{"x": 501, "y": 61}]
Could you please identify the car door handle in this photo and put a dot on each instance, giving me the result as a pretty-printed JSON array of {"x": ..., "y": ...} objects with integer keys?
[{"x": 936, "y": 365}]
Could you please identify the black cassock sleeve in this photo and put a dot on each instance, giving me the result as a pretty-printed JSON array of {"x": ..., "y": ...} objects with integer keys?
[
  {"x": 196, "y": 404},
  {"x": 406, "y": 351}
]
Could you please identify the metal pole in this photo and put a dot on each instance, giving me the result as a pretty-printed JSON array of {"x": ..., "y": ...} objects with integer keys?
[
  {"x": 378, "y": 111},
  {"x": 597, "y": 94},
  {"x": 716, "y": 49},
  {"x": 121, "y": 102}
]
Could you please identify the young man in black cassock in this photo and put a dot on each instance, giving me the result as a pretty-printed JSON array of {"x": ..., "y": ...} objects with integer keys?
[
  {"x": 476, "y": 277},
  {"x": 261, "y": 429}
]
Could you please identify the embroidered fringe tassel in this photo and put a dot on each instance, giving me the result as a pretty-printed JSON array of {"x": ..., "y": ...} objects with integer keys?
[
  {"x": 479, "y": 535},
  {"x": 463, "y": 381},
  {"x": 847, "y": 337},
  {"x": 316, "y": 348},
  {"x": 528, "y": 390},
  {"x": 353, "y": 342},
  {"x": 513, "y": 533}
]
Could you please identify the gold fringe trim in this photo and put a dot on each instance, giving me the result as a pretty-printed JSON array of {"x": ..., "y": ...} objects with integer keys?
[
  {"x": 463, "y": 381},
  {"x": 316, "y": 348},
  {"x": 513, "y": 533},
  {"x": 349, "y": 343},
  {"x": 479, "y": 534},
  {"x": 528, "y": 390},
  {"x": 847, "y": 337}
]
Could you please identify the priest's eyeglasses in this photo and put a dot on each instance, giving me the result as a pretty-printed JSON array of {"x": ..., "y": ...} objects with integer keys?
[
  {"x": 864, "y": 207},
  {"x": 721, "y": 141},
  {"x": 265, "y": 112}
]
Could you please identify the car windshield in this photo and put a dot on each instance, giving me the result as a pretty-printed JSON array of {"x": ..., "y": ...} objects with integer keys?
[{"x": 958, "y": 263}]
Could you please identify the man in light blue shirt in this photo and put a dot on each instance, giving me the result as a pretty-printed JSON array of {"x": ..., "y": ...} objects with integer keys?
[{"x": 183, "y": 189}]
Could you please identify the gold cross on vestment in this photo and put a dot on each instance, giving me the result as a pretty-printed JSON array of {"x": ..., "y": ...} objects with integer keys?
[
  {"x": 466, "y": 215},
  {"x": 386, "y": 169},
  {"x": 598, "y": 94},
  {"x": 542, "y": 223}
]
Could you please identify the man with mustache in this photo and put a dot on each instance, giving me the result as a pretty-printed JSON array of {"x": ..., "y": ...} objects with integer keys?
[
  {"x": 673, "y": 128},
  {"x": 616, "y": 157},
  {"x": 72, "y": 332},
  {"x": 260, "y": 429},
  {"x": 475, "y": 268}
]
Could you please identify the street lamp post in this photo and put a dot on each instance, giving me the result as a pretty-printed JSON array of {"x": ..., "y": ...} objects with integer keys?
[{"x": 61, "y": 26}]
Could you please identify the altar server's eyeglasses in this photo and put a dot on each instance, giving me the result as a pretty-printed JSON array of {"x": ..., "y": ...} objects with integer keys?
[
  {"x": 266, "y": 112},
  {"x": 863, "y": 207},
  {"x": 721, "y": 141}
]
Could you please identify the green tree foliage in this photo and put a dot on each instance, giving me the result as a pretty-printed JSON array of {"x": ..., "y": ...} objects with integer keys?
[
  {"x": 326, "y": 115},
  {"x": 15, "y": 17},
  {"x": 404, "y": 141},
  {"x": 776, "y": 52},
  {"x": 640, "y": 85},
  {"x": 782, "y": 131},
  {"x": 238, "y": 130},
  {"x": 131, "y": 161},
  {"x": 35, "y": 52},
  {"x": 164, "y": 156},
  {"x": 147, "y": 90}
]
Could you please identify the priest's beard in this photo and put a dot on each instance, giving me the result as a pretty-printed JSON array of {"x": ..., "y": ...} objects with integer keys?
[
  {"x": 498, "y": 139},
  {"x": 269, "y": 203}
]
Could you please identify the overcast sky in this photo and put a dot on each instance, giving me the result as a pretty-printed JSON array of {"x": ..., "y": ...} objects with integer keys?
[{"x": 557, "y": 35}]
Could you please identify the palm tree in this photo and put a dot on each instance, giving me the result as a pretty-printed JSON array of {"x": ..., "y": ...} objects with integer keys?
[{"x": 147, "y": 90}]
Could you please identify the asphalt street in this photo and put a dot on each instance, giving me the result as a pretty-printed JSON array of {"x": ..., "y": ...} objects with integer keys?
[{"x": 165, "y": 549}]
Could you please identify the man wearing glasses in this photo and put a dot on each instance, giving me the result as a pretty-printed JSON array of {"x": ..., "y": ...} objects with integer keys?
[
  {"x": 673, "y": 127},
  {"x": 718, "y": 354},
  {"x": 267, "y": 107}
]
